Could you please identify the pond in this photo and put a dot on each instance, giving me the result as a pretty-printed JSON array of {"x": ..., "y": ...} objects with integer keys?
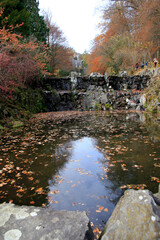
[{"x": 81, "y": 164}]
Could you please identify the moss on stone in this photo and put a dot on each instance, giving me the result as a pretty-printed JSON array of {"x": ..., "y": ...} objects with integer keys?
[
  {"x": 108, "y": 106},
  {"x": 1, "y": 127},
  {"x": 152, "y": 93},
  {"x": 97, "y": 106},
  {"x": 17, "y": 124}
]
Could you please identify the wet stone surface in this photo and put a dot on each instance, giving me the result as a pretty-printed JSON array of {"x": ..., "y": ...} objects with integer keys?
[
  {"x": 22, "y": 222},
  {"x": 136, "y": 216}
]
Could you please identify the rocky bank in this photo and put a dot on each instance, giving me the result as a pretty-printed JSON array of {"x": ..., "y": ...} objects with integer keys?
[
  {"x": 136, "y": 216},
  {"x": 34, "y": 223}
]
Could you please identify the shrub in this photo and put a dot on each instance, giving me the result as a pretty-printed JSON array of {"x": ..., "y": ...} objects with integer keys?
[{"x": 21, "y": 62}]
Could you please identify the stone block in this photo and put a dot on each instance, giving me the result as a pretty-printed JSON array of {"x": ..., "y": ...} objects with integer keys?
[
  {"x": 136, "y": 216},
  {"x": 36, "y": 223}
]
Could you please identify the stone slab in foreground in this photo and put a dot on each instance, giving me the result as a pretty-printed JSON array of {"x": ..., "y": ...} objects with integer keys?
[
  {"x": 136, "y": 217},
  {"x": 33, "y": 223}
]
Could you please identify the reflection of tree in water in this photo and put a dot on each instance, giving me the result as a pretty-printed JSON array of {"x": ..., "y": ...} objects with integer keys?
[
  {"x": 34, "y": 167},
  {"x": 133, "y": 167},
  {"x": 61, "y": 156},
  {"x": 153, "y": 127}
]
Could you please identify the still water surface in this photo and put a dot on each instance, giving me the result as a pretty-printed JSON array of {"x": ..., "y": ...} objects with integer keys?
[{"x": 84, "y": 164}]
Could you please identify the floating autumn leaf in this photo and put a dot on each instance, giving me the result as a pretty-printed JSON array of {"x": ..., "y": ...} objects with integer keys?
[
  {"x": 39, "y": 191},
  {"x": 18, "y": 195},
  {"x": 137, "y": 166},
  {"x": 20, "y": 190},
  {"x": 155, "y": 179},
  {"x": 32, "y": 202},
  {"x": 73, "y": 185},
  {"x": 134, "y": 186},
  {"x": 106, "y": 209},
  {"x": 54, "y": 192},
  {"x": 101, "y": 208},
  {"x": 61, "y": 180},
  {"x": 96, "y": 230},
  {"x": 98, "y": 211},
  {"x": 123, "y": 166},
  {"x": 156, "y": 165}
]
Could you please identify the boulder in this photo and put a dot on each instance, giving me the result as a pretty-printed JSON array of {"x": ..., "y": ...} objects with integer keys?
[
  {"x": 36, "y": 223},
  {"x": 136, "y": 216}
]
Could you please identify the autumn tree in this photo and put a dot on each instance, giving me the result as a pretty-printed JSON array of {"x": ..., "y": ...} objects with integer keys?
[
  {"x": 130, "y": 32},
  {"x": 94, "y": 60},
  {"x": 143, "y": 18},
  {"x": 148, "y": 21},
  {"x": 61, "y": 54},
  {"x": 21, "y": 62}
]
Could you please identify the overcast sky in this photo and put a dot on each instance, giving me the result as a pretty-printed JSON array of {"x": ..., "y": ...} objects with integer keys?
[{"x": 78, "y": 19}]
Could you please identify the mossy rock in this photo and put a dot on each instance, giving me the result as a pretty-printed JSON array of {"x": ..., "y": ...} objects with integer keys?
[
  {"x": 97, "y": 106},
  {"x": 108, "y": 106},
  {"x": 17, "y": 124},
  {"x": 1, "y": 127}
]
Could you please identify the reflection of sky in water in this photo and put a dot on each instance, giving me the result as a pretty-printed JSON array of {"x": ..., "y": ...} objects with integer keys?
[
  {"x": 81, "y": 186},
  {"x": 79, "y": 165}
]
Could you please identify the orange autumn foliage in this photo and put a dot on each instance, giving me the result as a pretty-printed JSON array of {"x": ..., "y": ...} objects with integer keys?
[
  {"x": 135, "y": 20},
  {"x": 95, "y": 64}
]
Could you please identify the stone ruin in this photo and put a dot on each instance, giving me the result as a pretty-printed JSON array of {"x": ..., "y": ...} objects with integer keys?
[{"x": 95, "y": 92}]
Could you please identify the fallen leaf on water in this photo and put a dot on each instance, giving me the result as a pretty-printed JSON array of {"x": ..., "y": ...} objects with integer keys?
[
  {"x": 123, "y": 166},
  {"x": 137, "y": 166},
  {"x": 101, "y": 208},
  {"x": 30, "y": 178},
  {"x": 156, "y": 165},
  {"x": 20, "y": 190},
  {"x": 134, "y": 186},
  {"x": 96, "y": 230},
  {"x": 61, "y": 180},
  {"x": 106, "y": 209},
  {"x": 39, "y": 191},
  {"x": 18, "y": 195},
  {"x": 54, "y": 192},
  {"x": 155, "y": 179},
  {"x": 98, "y": 211}
]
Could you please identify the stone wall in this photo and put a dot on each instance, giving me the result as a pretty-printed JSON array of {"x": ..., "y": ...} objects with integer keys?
[{"x": 95, "y": 92}]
